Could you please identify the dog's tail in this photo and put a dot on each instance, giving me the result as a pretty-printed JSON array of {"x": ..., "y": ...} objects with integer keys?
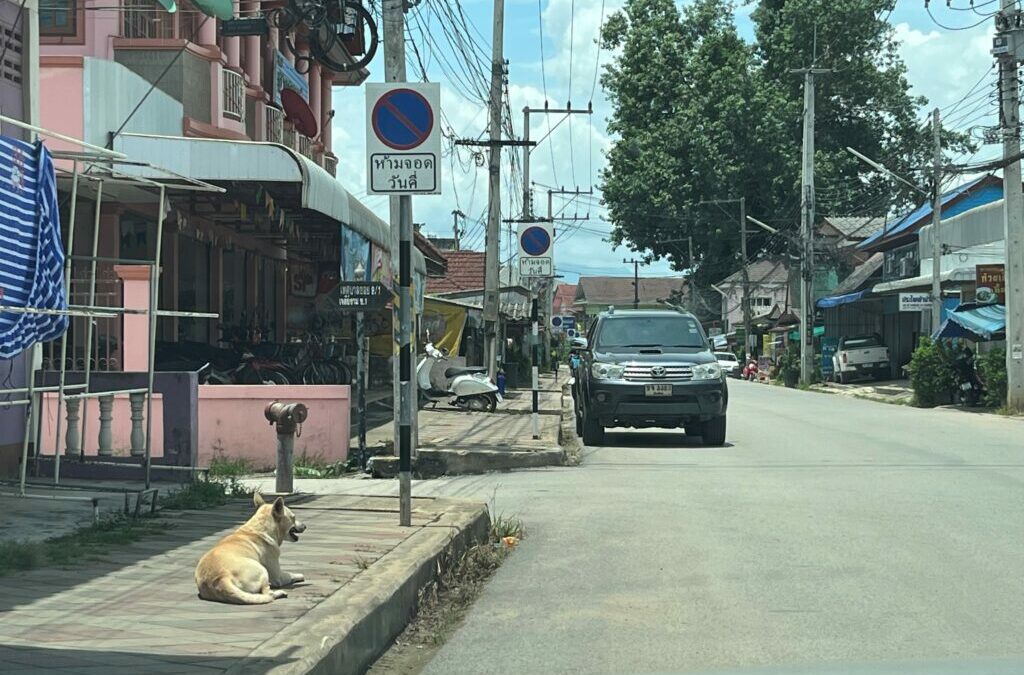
[{"x": 226, "y": 590}]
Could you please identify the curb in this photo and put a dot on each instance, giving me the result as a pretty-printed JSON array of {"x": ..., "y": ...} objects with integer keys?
[
  {"x": 572, "y": 445},
  {"x": 350, "y": 629}
]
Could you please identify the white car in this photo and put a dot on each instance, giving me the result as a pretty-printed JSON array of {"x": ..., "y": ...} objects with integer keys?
[{"x": 730, "y": 364}]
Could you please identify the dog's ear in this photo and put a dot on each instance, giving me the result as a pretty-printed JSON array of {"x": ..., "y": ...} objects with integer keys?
[
  {"x": 257, "y": 499},
  {"x": 278, "y": 507}
]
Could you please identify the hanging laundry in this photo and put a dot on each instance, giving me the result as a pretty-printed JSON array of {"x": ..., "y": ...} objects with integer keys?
[{"x": 32, "y": 266}]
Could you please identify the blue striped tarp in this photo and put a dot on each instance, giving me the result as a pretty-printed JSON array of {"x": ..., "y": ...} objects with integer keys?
[{"x": 31, "y": 251}]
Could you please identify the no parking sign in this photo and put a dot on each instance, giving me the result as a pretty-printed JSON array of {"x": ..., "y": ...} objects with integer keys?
[{"x": 403, "y": 138}]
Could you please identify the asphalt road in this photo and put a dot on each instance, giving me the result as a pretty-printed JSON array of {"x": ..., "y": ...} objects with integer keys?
[{"x": 829, "y": 532}]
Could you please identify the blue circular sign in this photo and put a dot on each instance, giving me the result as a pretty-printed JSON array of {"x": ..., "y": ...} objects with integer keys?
[
  {"x": 402, "y": 119},
  {"x": 535, "y": 240}
]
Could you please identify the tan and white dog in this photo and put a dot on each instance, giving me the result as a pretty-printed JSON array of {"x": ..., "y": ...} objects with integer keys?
[{"x": 245, "y": 565}]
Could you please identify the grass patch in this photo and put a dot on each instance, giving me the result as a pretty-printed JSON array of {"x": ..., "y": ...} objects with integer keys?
[
  {"x": 86, "y": 542},
  {"x": 205, "y": 494},
  {"x": 229, "y": 467},
  {"x": 316, "y": 466}
]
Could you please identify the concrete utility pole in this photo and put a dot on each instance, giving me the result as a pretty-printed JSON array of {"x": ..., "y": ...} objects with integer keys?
[
  {"x": 401, "y": 215},
  {"x": 936, "y": 220},
  {"x": 636, "y": 280},
  {"x": 689, "y": 281},
  {"x": 1013, "y": 209},
  {"x": 748, "y": 339},
  {"x": 492, "y": 255},
  {"x": 807, "y": 228}
]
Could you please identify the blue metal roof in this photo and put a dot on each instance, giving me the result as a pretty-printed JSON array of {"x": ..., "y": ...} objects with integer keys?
[
  {"x": 985, "y": 195},
  {"x": 975, "y": 321},
  {"x": 836, "y": 300}
]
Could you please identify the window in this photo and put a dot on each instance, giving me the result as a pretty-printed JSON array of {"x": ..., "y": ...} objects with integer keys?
[
  {"x": 58, "y": 18},
  {"x": 648, "y": 331},
  {"x": 760, "y": 302}
]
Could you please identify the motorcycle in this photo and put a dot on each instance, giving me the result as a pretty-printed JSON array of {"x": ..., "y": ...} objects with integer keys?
[
  {"x": 468, "y": 388},
  {"x": 970, "y": 389},
  {"x": 750, "y": 371}
]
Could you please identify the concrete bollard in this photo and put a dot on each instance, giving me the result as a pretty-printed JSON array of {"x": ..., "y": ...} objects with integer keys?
[{"x": 287, "y": 417}]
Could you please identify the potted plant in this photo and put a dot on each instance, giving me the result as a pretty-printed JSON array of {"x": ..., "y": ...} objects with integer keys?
[{"x": 789, "y": 368}]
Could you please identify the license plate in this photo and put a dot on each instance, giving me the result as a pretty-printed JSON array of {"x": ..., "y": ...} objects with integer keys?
[{"x": 658, "y": 390}]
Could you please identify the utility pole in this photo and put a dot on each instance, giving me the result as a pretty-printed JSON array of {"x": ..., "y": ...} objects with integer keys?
[
  {"x": 492, "y": 255},
  {"x": 689, "y": 282},
  {"x": 636, "y": 280},
  {"x": 748, "y": 339},
  {"x": 456, "y": 214},
  {"x": 807, "y": 228},
  {"x": 401, "y": 215},
  {"x": 1013, "y": 206},
  {"x": 936, "y": 221}
]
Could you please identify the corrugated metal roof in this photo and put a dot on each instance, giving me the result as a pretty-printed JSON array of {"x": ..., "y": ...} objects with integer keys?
[
  {"x": 619, "y": 290},
  {"x": 986, "y": 194},
  {"x": 761, "y": 272},
  {"x": 860, "y": 275}
]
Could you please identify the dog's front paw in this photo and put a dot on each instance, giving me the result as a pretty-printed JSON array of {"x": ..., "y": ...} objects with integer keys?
[
  {"x": 298, "y": 578},
  {"x": 279, "y": 594}
]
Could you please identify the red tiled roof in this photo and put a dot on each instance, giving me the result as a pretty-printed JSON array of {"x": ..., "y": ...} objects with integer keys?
[
  {"x": 565, "y": 295},
  {"x": 465, "y": 273}
]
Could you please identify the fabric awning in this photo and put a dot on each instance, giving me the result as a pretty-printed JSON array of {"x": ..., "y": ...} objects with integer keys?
[
  {"x": 819, "y": 331},
  {"x": 836, "y": 300},
  {"x": 971, "y": 319},
  {"x": 218, "y": 160},
  {"x": 221, "y": 9}
]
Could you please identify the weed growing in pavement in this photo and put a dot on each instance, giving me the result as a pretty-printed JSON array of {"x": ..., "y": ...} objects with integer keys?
[
  {"x": 228, "y": 467},
  {"x": 362, "y": 563},
  {"x": 205, "y": 493},
  {"x": 315, "y": 466},
  {"x": 90, "y": 541}
]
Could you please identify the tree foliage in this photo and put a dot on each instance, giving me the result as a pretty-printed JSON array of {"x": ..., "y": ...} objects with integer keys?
[{"x": 700, "y": 115}]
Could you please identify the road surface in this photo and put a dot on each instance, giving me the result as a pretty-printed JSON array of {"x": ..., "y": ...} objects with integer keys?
[{"x": 829, "y": 531}]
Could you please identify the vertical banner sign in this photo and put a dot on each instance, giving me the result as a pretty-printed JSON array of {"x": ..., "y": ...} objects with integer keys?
[
  {"x": 990, "y": 284},
  {"x": 536, "y": 250},
  {"x": 403, "y": 138}
]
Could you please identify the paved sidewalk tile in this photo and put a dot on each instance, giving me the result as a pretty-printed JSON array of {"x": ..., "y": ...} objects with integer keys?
[{"x": 136, "y": 611}]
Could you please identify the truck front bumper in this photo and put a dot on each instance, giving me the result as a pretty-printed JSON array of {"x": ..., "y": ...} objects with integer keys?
[{"x": 626, "y": 404}]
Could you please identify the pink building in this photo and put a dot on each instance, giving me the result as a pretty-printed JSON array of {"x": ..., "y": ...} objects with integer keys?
[{"x": 251, "y": 114}]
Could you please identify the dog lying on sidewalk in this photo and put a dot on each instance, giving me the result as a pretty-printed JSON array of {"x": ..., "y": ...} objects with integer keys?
[{"x": 245, "y": 565}]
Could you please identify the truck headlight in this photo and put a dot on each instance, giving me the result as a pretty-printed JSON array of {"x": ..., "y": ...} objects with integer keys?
[
  {"x": 607, "y": 371},
  {"x": 707, "y": 371}
]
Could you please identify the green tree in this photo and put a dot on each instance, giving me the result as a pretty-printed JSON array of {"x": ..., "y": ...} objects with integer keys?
[{"x": 699, "y": 114}]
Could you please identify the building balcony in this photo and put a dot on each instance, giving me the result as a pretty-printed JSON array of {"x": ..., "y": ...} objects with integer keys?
[{"x": 233, "y": 96}]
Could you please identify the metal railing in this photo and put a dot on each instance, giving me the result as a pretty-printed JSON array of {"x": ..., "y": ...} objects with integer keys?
[
  {"x": 305, "y": 146},
  {"x": 234, "y": 95},
  {"x": 288, "y": 137},
  {"x": 331, "y": 164},
  {"x": 147, "y": 20},
  {"x": 275, "y": 125}
]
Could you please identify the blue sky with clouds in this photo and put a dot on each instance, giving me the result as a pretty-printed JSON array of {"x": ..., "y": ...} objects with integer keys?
[{"x": 944, "y": 63}]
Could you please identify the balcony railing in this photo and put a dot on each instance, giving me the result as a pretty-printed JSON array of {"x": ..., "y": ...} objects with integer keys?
[
  {"x": 288, "y": 136},
  {"x": 147, "y": 20},
  {"x": 305, "y": 146},
  {"x": 275, "y": 125},
  {"x": 331, "y": 164},
  {"x": 234, "y": 95}
]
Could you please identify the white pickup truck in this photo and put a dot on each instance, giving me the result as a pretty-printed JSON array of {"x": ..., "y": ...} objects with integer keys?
[{"x": 860, "y": 356}]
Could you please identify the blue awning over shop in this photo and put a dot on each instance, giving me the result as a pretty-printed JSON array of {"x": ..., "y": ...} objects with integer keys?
[
  {"x": 978, "y": 322},
  {"x": 836, "y": 300}
]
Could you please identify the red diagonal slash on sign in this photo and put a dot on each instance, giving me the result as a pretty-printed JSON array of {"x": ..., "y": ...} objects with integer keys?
[{"x": 405, "y": 121}]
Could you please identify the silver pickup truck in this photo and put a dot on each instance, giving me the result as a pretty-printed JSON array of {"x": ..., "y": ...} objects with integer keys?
[{"x": 861, "y": 356}]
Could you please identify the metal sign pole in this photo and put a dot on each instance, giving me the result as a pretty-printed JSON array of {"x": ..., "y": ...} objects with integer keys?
[{"x": 535, "y": 339}]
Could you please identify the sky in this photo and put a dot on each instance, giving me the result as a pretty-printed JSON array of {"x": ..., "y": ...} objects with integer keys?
[{"x": 947, "y": 56}]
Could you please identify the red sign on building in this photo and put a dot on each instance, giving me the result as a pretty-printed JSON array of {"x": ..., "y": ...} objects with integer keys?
[{"x": 990, "y": 283}]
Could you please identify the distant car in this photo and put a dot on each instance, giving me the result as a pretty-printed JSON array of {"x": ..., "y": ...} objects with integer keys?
[
  {"x": 730, "y": 364},
  {"x": 860, "y": 356}
]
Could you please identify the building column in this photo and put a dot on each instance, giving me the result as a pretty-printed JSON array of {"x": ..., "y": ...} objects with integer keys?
[
  {"x": 314, "y": 93},
  {"x": 231, "y": 44},
  {"x": 208, "y": 33},
  {"x": 135, "y": 289},
  {"x": 253, "y": 56},
  {"x": 326, "y": 105}
]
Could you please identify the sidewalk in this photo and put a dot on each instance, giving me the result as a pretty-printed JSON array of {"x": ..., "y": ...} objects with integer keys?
[
  {"x": 136, "y": 609},
  {"x": 897, "y": 392},
  {"x": 461, "y": 441}
]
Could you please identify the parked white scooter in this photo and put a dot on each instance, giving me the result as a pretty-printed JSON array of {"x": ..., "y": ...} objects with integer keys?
[{"x": 466, "y": 388}]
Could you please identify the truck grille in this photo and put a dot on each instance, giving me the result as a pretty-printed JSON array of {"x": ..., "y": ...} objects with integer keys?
[{"x": 657, "y": 373}]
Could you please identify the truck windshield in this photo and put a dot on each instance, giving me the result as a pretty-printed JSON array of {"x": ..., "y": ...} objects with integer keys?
[{"x": 648, "y": 331}]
